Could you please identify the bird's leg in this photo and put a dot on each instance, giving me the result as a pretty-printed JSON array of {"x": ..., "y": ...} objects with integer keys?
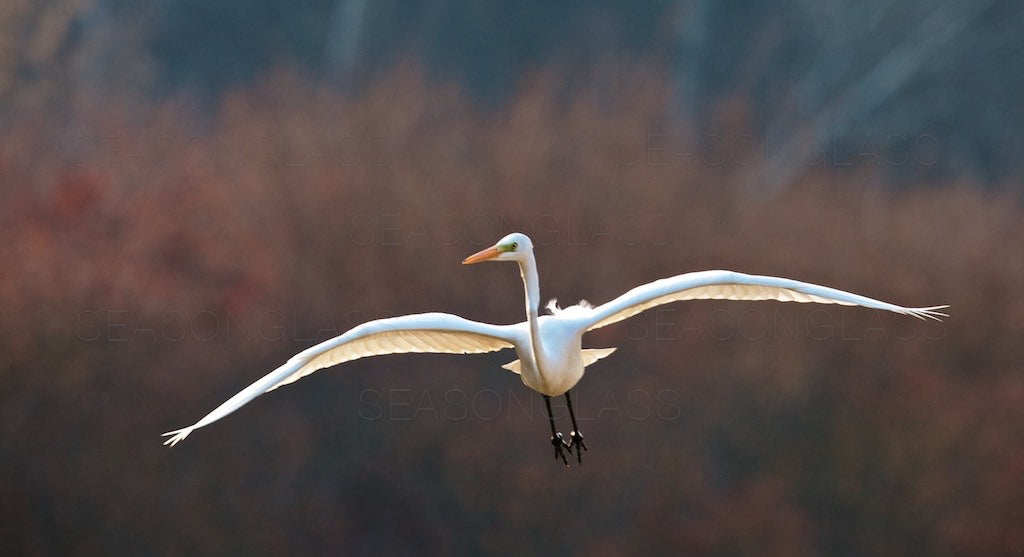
[
  {"x": 576, "y": 437},
  {"x": 556, "y": 438}
]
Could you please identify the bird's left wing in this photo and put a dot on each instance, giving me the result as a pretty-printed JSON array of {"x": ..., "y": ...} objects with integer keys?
[
  {"x": 729, "y": 285},
  {"x": 426, "y": 332}
]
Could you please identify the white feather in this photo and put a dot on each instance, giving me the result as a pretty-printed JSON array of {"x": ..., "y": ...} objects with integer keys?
[{"x": 557, "y": 361}]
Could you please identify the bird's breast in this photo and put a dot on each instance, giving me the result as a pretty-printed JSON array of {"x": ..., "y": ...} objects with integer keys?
[{"x": 560, "y": 357}]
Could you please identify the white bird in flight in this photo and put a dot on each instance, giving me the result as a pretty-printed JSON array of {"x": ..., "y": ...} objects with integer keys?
[{"x": 551, "y": 357}]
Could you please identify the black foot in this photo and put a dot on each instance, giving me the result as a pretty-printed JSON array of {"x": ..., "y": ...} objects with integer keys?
[
  {"x": 576, "y": 442},
  {"x": 560, "y": 447}
]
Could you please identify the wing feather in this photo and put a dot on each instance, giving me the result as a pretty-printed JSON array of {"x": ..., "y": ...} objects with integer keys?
[
  {"x": 423, "y": 333},
  {"x": 729, "y": 285}
]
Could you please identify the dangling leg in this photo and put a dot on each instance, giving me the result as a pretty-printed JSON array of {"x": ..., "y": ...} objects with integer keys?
[
  {"x": 556, "y": 438},
  {"x": 576, "y": 437}
]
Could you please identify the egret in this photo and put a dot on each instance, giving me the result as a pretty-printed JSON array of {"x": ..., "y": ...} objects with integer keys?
[{"x": 551, "y": 357}]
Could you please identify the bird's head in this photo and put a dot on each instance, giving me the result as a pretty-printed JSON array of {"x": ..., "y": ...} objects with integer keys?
[{"x": 514, "y": 247}]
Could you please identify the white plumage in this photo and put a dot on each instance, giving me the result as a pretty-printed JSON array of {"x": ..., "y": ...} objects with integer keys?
[{"x": 551, "y": 358}]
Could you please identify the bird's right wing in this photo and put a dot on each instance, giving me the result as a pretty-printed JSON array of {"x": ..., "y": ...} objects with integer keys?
[{"x": 425, "y": 332}]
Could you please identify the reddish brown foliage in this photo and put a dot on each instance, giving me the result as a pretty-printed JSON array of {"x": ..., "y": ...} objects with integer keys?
[{"x": 155, "y": 263}]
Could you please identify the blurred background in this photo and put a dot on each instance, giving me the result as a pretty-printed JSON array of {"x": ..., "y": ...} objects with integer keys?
[{"x": 193, "y": 191}]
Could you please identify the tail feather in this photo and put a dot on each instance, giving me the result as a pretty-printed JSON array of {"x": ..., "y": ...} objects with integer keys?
[{"x": 590, "y": 355}]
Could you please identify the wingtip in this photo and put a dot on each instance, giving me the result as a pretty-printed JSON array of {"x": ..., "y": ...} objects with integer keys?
[
  {"x": 932, "y": 313},
  {"x": 176, "y": 436}
]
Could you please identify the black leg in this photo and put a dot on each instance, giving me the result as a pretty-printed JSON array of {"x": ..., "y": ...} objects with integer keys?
[
  {"x": 556, "y": 438},
  {"x": 576, "y": 437}
]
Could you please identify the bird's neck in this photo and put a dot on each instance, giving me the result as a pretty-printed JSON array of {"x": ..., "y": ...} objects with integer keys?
[
  {"x": 528, "y": 270},
  {"x": 531, "y": 283}
]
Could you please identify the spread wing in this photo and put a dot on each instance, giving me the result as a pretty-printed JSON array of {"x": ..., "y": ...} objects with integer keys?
[
  {"x": 729, "y": 285},
  {"x": 426, "y": 332}
]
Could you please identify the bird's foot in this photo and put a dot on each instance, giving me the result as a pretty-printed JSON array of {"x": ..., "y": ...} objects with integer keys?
[
  {"x": 576, "y": 442},
  {"x": 560, "y": 447}
]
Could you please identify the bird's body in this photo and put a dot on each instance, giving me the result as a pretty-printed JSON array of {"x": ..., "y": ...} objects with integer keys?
[
  {"x": 561, "y": 351},
  {"x": 549, "y": 347}
]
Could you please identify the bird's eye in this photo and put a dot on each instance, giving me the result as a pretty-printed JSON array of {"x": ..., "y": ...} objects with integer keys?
[{"x": 515, "y": 246}]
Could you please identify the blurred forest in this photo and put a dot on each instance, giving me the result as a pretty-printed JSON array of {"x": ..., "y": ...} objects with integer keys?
[{"x": 191, "y": 192}]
